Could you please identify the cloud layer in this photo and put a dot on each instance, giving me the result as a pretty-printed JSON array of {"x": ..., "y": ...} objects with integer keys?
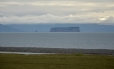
[{"x": 56, "y": 11}]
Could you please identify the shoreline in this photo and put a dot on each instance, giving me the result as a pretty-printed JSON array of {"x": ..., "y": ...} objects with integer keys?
[
  {"x": 25, "y": 53},
  {"x": 35, "y": 50}
]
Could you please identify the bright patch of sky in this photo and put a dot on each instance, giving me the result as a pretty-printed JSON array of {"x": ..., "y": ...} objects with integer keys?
[{"x": 56, "y": 11}]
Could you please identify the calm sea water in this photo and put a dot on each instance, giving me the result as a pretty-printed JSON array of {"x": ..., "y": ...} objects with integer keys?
[{"x": 58, "y": 40}]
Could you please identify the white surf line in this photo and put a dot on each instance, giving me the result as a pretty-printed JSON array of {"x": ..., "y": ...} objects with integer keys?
[{"x": 26, "y": 53}]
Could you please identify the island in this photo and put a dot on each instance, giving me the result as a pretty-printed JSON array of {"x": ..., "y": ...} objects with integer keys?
[{"x": 65, "y": 29}]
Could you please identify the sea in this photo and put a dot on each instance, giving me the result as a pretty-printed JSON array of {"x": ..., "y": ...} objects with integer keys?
[{"x": 58, "y": 40}]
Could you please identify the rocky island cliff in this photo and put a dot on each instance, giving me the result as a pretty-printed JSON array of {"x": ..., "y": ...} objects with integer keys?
[{"x": 65, "y": 29}]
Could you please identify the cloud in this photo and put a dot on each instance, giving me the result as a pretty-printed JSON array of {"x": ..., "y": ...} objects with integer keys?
[
  {"x": 108, "y": 20},
  {"x": 45, "y": 19},
  {"x": 56, "y": 11}
]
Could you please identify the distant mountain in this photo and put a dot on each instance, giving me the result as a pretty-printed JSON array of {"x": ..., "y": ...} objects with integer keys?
[
  {"x": 5, "y": 28},
  {"x": 47, "y": 27}
]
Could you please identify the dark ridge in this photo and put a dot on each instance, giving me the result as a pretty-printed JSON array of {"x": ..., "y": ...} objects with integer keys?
[
  {"x": 57, "y": 50},
  {"x": 6, "y": 28}
]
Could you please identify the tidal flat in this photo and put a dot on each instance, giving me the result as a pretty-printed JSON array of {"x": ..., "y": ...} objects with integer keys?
[{"x": 56, "y": 61}]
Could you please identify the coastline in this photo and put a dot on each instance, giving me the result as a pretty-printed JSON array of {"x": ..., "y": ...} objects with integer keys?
[
  {"x": 23, "y": 53},
  {"x": 35, "y": 50}
]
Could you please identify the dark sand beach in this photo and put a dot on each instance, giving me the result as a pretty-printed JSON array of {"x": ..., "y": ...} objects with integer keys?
[{"x": 57, "y": 50}]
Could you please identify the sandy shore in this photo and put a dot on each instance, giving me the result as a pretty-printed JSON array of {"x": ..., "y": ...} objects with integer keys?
[{"x": 57, "y": 50}]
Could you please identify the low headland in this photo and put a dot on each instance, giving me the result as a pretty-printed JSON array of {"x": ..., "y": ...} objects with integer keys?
[{"x": 63, "y": 59}]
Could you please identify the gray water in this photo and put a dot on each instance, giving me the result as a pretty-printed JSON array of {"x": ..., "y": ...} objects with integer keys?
[{"x": 58, "y": 40}]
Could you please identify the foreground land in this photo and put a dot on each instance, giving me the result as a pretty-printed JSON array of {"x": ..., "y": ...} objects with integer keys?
[{"x": 56, "y": 61}]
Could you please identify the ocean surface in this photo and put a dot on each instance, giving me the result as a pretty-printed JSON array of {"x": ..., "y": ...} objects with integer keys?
[{"x": 58, "y": 40}]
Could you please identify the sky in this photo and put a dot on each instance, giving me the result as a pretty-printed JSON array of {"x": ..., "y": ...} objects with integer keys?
[{"x": 56, "y": 11}]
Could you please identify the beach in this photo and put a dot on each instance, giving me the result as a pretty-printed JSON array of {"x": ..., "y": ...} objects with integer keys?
[{"x": 57, "y": 50}]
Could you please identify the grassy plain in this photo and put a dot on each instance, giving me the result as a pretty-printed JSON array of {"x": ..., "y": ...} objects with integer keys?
[{"x": 56, "y": 61}]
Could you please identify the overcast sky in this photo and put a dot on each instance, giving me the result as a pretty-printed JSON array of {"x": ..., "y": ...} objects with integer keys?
[{"x": 56, "y": 11}]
